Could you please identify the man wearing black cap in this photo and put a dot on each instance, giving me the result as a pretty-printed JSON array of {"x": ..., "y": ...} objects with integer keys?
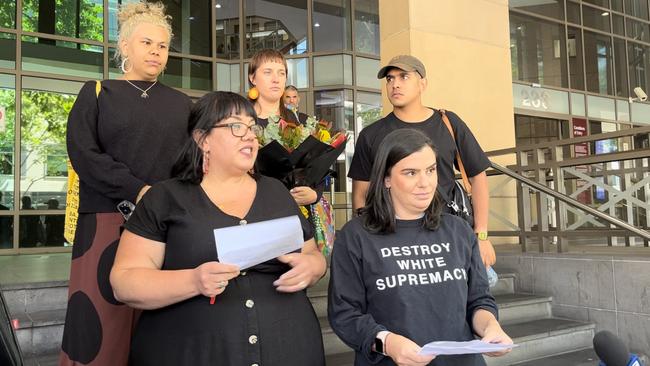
[{"x": 405, "y": 82}]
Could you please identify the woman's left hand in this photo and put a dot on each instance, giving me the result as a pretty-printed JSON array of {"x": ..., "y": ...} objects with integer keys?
[
  {"x": 300, "y": 276},
  {"x": 304, "y": 195},
  {"x": 494, "y": 334}
]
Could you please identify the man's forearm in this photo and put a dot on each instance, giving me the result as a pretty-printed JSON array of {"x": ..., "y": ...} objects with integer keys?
[{"x": 480, "y": 201}]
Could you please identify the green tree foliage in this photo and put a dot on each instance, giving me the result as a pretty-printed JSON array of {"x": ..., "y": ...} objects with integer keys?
[
  {"x": 90, "y": 18},
  {"x": 8, "y": 13},
  {"x": 44, "y": 117}
]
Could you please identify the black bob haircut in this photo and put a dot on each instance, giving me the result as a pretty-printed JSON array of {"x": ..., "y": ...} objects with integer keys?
[
  {"x": 209, "y": 110},
  {"x": 378, "y": 215}
]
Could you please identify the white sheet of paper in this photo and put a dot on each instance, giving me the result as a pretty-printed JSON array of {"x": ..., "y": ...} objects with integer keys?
[
  {"x": 460, "y": 348},
  {"x": 252, "y": 244}
]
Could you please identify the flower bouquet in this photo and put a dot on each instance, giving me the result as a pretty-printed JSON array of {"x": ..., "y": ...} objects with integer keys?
[{"x": 296, "y": 154}]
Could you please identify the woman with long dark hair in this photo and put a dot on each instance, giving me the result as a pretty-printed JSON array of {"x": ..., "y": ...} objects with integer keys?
[
  {"x": 167, "y": 262},
  {"x": 403, "y": 274}
]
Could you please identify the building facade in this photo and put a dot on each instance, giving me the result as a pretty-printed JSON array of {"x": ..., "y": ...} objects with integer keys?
[{"x": 48, "y": 48}]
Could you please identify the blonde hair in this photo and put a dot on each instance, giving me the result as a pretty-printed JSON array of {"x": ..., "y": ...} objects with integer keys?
[{"x": 133, "y": 14}]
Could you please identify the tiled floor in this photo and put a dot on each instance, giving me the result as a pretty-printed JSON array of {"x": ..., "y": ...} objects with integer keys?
[{"x": 34, "y": 268}]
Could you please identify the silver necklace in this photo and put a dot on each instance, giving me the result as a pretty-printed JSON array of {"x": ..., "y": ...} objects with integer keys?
[{"x": 144, "y": 91}]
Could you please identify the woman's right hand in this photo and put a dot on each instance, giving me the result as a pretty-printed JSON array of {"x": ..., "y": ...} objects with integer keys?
[
  {"x": 211, "y": 278},
  {"x": 404, "y": 351}
]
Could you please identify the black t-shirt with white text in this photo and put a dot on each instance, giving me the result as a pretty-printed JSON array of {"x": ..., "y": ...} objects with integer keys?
[
  {"x": 473, "y": 157},
  {"x": 422, "y": 284}
]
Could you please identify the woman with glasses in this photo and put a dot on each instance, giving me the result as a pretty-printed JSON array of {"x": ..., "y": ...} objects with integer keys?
[
  {"x": 122, "y": 136},
  {"x": 167, "y": 262}
]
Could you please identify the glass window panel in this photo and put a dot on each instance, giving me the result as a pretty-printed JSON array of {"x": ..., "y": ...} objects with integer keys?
[
  {"x": 227, "y": 15},
  {"x": 622, "y": 110},
  {"x": 114, "y": 71},
  {"x": 8, "y": 13},
  {"x": 552, "y": 8},
  {"x": 53, "y": 226},
  {"x": 368, "y": 107},
  {"x": 191, "y": 26},
  {"x": 638, "y": 30},
  {"x": 617, "y": 5},
  {"x": 6, "y": 230},
  {"x": 75, "y": 59},
  {"x": 574, "y": 49},
  {"x": 637, "y": 8},
  {"x": 595, "y": 18},
  {"x": 618, "y": 24},
  {"x": 7, "y": 139},
  {"x": 336, "y": 106},
  {"x": 298, "y": 74},
  {"x": 331, "y": 25},
  {"x": 113, "y": 7},
  {"x": 8, "y": 50},
  {"x": 276, "y": 24},
  {"x": 366, "y": 26},
  {"x": 640, "y": 113},
  {"x": 43, "y": 177},
  {"x": 228, "y": 77},
  {"x": 577, "y": 104},
  {"x": 598, "y": 63},
  {"x": 603, "y": 3},
  {"x": 622, "y": 89},
  {"x": 187, "y": 74},
  {"x": 537, "y": 50},
  {"x": 599, "y": 107},
  {"x": 573, "y": 12},
  {"x": 333, "y": 70},
  {"x": 367, "y": 73},
  {"x": 70, "y": 18},
  {"x": 638, "y": 65}
]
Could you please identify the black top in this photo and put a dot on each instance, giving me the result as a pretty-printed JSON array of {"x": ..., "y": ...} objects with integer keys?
[
  {"x": 474, "y": 158},
  {"x": 250, "y": 322},
  {"x": 119, "y": 142},
  {"x": 422, "y": 284}
]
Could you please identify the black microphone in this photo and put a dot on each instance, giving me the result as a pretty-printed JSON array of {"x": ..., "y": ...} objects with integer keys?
[{"x": 612, "y": 351}]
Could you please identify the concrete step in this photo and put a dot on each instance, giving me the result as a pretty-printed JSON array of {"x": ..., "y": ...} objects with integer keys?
[
  {"x": 331, "y": 342},
  {"x": 35, "y": 296},
  {"x": 542, "y": 337},
  {"x": 341, "y": 359},
  {"x": 585, "y": 357},
  {"x": 505, "y": 285},
  {"x": 40, "y": 332},
  {"x": 520, "y": 307},
  {"x": 49, "y": 359}
]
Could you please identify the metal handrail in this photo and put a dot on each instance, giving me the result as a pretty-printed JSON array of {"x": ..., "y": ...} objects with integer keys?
[{"x": 568, "y": 200}]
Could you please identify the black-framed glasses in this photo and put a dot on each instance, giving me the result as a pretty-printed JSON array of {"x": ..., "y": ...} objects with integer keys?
[{"x": 239, "y": 129}]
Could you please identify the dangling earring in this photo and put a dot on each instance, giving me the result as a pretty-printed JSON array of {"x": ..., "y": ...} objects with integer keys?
[
  {"x": 253, "y": 93},
  {"x": 206, "y": 161},
  {"x": 123, "y": 65}
]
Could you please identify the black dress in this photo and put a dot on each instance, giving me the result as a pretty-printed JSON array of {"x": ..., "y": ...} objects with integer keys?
[
  {"x": 250, "y": 323},
  {"x": 117, "y": 143}
]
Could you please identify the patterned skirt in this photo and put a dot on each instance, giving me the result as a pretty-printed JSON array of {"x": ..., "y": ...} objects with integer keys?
[{"x": 97, "y": 328}]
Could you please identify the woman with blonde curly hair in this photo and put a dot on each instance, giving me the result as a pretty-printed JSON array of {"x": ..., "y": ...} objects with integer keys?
[{"x": 123, "y": 136}]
